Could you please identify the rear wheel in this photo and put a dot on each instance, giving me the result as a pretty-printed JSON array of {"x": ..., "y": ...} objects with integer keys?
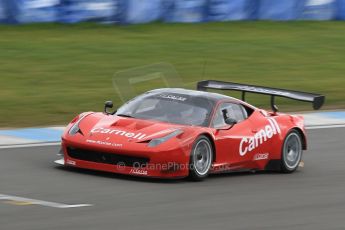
[
  {"x": 201, "y": 158},
  {"x": 291, "y": 152}
]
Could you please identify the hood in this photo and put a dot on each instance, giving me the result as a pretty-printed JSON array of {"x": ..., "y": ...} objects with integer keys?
[{"x": 121, "y": 129}]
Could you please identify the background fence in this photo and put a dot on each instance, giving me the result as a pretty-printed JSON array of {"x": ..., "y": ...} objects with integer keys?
[{"x": 189, "y": 11}]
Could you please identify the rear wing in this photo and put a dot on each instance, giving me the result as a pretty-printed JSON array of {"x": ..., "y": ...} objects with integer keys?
[{"x": 316, "y": 99}]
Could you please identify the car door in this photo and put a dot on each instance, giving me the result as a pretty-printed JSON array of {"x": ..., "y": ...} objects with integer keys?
[{"x": 235, "y": 145}]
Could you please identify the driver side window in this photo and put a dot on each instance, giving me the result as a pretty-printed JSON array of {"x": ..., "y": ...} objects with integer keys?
[{"x": 235, "y": 111}]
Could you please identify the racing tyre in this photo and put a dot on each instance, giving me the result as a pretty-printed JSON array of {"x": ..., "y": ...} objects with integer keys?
[
  {"x": 291, "y": 152},
  {"x": 200, "y": 159}
]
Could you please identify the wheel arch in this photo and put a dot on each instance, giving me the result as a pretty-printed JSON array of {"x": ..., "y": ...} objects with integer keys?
[
  {"x": 209, "y": 136},
  {"x": 275, "y": 164},
  {"x": 303, "y": 136}
]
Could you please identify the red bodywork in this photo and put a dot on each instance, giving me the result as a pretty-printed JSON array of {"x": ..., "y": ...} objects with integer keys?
[{"x": 249, "y": 145}]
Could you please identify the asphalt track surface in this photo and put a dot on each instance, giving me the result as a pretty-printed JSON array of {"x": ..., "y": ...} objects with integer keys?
[{"x": 311, "y": 198}]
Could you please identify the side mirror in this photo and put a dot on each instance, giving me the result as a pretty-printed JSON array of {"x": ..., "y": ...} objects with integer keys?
[
  {"x": 108, "y": 105},
  {"x": 230, "y": 121}
]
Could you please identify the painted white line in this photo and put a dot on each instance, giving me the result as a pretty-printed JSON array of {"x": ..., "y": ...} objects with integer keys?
[
  {"x": 60, "y": 161},
  {"x": 10, "y": 140},
  {"x": 29, "y": 145},
  {"x": 59, "y": 128},
  {"x": 326, "y": 126},
  {"x": 40, "y": 202}
]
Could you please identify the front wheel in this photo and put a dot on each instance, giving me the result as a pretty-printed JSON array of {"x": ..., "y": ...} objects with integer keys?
[
  {"x": 201, "y": 158},
  {"x": 291, "y": 152}
]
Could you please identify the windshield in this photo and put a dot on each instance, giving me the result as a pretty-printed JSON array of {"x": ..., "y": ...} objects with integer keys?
[{"x": 169, "y": 107}]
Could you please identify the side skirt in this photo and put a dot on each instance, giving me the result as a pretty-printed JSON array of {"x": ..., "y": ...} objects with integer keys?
[{"x": 273, "y": 165}]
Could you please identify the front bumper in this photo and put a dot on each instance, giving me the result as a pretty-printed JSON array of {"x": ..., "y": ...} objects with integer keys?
[{"x": 169, "y": 164}]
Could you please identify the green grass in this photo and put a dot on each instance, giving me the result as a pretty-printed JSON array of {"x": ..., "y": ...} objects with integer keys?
[{"x": 49, "y": 73}]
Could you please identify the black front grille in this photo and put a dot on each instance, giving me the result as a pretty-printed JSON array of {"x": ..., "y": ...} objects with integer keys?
[{"x": 107, "y": 158}]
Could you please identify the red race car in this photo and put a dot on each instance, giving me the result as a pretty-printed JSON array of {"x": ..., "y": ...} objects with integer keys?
[{"x": 174, "y": 133}]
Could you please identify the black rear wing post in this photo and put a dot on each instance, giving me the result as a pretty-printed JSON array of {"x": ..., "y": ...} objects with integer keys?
[{"x": 317, "y": 100}]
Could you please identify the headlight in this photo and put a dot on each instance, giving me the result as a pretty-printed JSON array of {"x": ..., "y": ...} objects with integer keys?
[
  {"x": 158, "y": 141},
  {"x": 75, "y": 128}
]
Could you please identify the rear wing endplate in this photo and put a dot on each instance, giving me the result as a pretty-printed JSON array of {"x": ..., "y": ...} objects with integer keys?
[{"x": 316, "y": 99}]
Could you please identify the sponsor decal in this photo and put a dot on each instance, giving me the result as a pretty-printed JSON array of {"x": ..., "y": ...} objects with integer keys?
[
  {"x": 262, "y": 90},
  {"x": 118, "y": 132},
  {"x": 173, "y": 97},
  {"x": 70, "y": 162},
  {"x": 248, "y": 144},
  {"x": 261, "y": 156},
  {"x": 104, "y": 143},
  {"x": 138, "y": 171}
]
